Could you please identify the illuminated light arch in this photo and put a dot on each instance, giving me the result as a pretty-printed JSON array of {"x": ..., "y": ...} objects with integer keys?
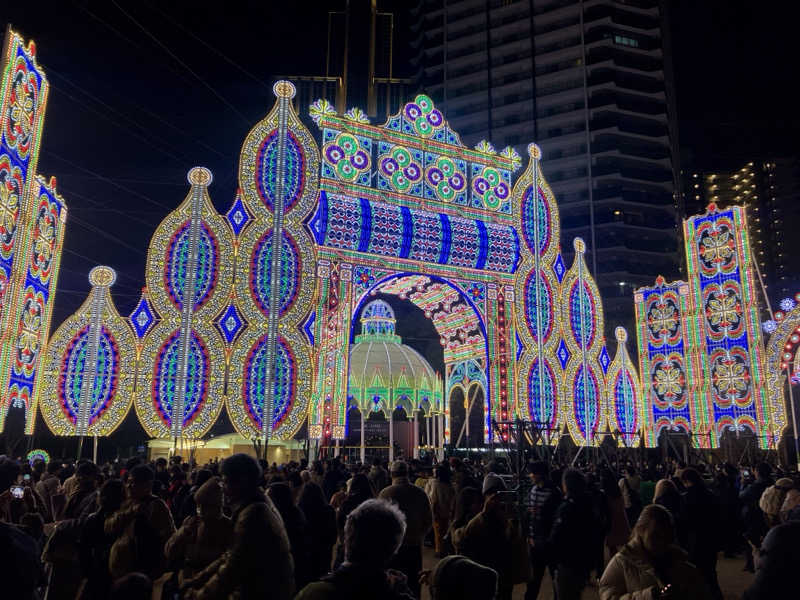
[
  {"x": 462, "y": 332},
  {"x": 86, "y": 379}
]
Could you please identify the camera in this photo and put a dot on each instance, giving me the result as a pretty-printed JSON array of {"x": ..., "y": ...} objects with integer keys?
[{"x": 17, "y": 491}]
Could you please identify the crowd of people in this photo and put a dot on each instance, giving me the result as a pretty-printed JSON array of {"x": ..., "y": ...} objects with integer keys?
[{"x": 243, "y": 529}]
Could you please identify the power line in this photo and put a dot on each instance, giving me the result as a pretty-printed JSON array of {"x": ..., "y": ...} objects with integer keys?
[
  {"x": 213, "y": 49},
  {"x": 183, "y": 64},
  {"x": 106, "y": 235},
  {"x": 110, "y": 181}
]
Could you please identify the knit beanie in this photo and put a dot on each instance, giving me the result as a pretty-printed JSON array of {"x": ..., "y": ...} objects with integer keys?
[
  {"x": 209, "y": 494},
  {"x": 492, "y": 483},
  {"x": 457, "y": 577}
]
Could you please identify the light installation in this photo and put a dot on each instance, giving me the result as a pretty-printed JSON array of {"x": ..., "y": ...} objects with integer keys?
[
  {"x": 700, "y": 346},
  {"x": 32, "y": 218},
  {"x": 264, "y": 324},
  {"x": 86, "y": 378}
]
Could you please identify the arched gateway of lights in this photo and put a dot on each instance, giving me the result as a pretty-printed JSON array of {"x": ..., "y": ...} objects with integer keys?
[{"x": 406, "y": 209}]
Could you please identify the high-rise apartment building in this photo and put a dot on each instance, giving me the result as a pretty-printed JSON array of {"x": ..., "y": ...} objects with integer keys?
[
  {"x": 770, "y": 191},
  {"x": 590, "y": 82}
]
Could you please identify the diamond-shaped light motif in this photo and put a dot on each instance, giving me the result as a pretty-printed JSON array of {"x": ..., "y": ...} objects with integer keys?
[
  {"x": 308, "y": 327},
  {"x": 558, "y": 267},
  {"x": 142, "y": 317},
  {"x": 237, "y": 215},
  {"x": 563, "y": 354},
  {"x": 520, "y": 347},
  {"x": 230, "y": 323},
  {"x": 604, "y": 359}
]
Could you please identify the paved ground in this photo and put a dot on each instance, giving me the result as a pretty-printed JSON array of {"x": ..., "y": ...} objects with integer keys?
[{"x": 731, "y": 578}]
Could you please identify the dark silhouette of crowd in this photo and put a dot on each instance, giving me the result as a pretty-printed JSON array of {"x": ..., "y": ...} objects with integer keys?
[{"x": 243, "y": 529}]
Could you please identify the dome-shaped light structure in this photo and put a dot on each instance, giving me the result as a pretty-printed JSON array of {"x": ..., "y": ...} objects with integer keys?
[{"x": 385, "y": 373}]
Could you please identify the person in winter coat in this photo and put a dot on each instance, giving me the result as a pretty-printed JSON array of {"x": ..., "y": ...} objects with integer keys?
[
  {"x": 574, "y": 521},
  {"x": 651, "y": 566},
  {"x": 140, "y": 528},
  {"x": 777, "y": 562},
  {"x": 630, "y": 487},
  {"x": 790, "y": 511},
  {"x": 48, "y": 486},
  {"x": 258, "y": 563},
  {"x": 755, "y": 526},
  {"x": 668, "y": 496},
  {"x": 543, "y": 501},
  {"x": 359, "y": 491},
  {"x": 619, "y": 529},
  {"x": 321, "y": 520},
  {"x": 373, "y": 534},
  {"x": 492, "y": 536},
  {"x": 94, "y": 545},
  {"x": 203, "y": 537},
  {"x": 442, "y": 495},
  {"x": 414, "y": 504},
  {"x": 296, "y": 528},
  {"x": 701, "y": 517},
  {"x": 772, "y": 499}
]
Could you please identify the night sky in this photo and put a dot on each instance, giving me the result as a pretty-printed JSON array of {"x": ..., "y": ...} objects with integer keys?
[{"x": 141, "y": 92}]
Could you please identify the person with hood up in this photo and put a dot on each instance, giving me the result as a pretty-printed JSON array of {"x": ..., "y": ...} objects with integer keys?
[{"x": 651, "y": 566}]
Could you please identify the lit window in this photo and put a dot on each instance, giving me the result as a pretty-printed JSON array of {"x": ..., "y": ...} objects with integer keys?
[{"x": 626, "y": 41}]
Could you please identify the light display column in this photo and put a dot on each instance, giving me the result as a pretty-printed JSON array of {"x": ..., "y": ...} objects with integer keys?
[
  {"x": 667, "y": 359},
  {"x": 540, "y": 351},
  {"x": 86, "y": 376},
  {"x": 731, "y": 353},
  {"x": 32, "y": 224}
]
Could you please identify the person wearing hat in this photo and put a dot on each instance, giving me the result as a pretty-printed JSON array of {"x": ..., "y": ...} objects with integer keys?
[
  {"x": 203, "y": 537},
  {"x": 492, "y": 536},
  {"x": 459, "y": 578},
  {"x": 414, "y": 504}
]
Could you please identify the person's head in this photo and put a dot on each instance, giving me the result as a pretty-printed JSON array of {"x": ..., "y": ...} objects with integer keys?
[
  {"x": 241, "y": 476},
  {"x": 664, "y": 487},
  {"x": 537, "y": 471},
  {"x": 161, "y": 464},
  {"x": 360, "y": 487},
  {"x": 573, "y": 483},
  {"x": 654, "y": 530},
  {"x": 443, "y": 473},
  {"x": 373, "y": 533},
  {"x": 492, "y": 484},
  {"x": 208, "y": 498},
  {"x": 312, "y": 498},
  {"x": 763, "y": 470},
  {"x": 201, "y": 476},
  {"x": 779, "y": 555},
  {"x": 86, "y": 475},
  {"x": 281, "y": 496},
  {"x": 691, "y": 478},
  {"x": 140, "y": 482},
  {"x": 9, "y": 471},
  {"x": 112, "y": 494},
  {"x": 134, "y": 586},
  {"x": 458, "y": 578},
  {"x": 399, "y": 469},
  {"x": 53, "y": 467},
  {"x": 609, "y": 483},
  {"x": 630, "y": 470}
]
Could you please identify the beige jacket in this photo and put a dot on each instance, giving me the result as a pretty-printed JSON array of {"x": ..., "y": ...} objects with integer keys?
[
  {"x": 630, "y": 575},
  {"x": 415, "y": 506}
]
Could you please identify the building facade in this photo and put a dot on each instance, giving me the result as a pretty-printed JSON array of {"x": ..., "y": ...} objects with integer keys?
[{"x": 590, "y": 82}]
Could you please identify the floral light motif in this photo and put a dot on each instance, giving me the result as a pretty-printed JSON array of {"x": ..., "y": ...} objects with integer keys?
[
  {"x": 446, "y": 178},
  {"x": 356, "y": 115},
  {"x": 668, "y": 381},
  {"x": 400, "y": 168},
  {"x": 347, "y": 157},
  {"x": 730, "y": 375},
  {"x": 319, "y": 109},
  {"x": 491, "y": 188},
  {"x": 425, "y": 118},
  {"x": 662, "y": 319},
  {"x": 363, "y": 277},
  {"x": 21, "y": 108}
]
